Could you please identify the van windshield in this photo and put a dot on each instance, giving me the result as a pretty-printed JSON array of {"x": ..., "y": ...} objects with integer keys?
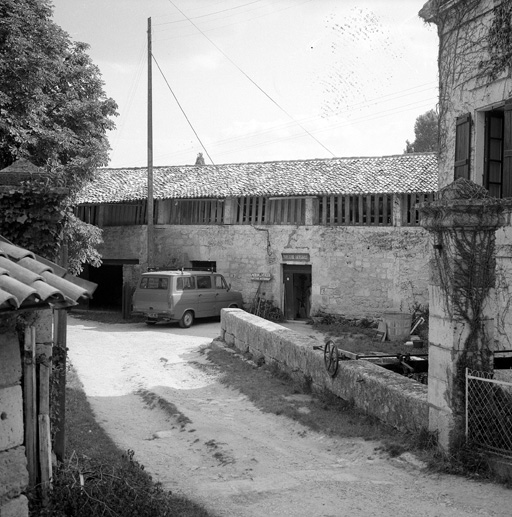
[{"x": 154, "y": 282}]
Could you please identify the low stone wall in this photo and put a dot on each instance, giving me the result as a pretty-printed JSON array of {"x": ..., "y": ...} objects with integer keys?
[{"x": 396, "y": 400}]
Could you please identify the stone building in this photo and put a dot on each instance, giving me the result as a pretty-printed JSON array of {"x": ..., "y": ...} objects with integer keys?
[
  {"x": 475, "y": 116},
  {"x": 334, "y": 235}
]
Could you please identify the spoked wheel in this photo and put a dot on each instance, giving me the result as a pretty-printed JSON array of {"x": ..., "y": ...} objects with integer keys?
[
  {"x": 331, "y": 358},
  {"x": 187, "y": 319}
]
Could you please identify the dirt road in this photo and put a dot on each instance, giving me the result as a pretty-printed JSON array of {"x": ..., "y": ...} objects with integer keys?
[{"x": 220, "y": 450}]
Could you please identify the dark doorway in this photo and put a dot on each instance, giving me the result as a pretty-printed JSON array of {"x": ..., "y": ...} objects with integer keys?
[
  {"x": 109, "y": 294},
  {"x": 297, "y": 291}
]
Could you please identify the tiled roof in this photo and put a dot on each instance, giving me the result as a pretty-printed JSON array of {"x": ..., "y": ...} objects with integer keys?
[
  {"x": 29, "y": 281},
  {"x": 389, "y": 174}
]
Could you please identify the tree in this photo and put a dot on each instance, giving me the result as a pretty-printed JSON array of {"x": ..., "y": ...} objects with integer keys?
[
  {"x": 426, "y": 132},
  {"x": 53, "y": 110}
]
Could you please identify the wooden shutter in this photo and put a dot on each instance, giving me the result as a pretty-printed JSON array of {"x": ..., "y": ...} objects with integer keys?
[
  {"x": 507, "y": 149},
  {"x": 462, "y": 146}
]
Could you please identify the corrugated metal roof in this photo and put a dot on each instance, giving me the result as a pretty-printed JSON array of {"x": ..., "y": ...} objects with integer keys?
[
  {"x": 402, "y": 173},
  {"x": 29, "y": 281}
]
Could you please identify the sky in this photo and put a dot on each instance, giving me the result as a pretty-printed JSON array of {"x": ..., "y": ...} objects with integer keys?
[{"x": 259, "y": 80}]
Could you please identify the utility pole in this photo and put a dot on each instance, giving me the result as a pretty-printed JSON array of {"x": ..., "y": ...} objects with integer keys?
[{"x": 150, "y": 228}]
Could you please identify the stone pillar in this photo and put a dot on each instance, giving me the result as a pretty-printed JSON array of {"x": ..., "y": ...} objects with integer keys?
[
  {"x": 397, "y": 209},
  {"x": 310, "y": 211},
  {"x": 462, "y": 224},
  {"x": 229, "y": 210}
]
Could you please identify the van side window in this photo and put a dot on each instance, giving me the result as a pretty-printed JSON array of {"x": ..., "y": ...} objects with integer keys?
[
  {"x": 204, "y": 282},
  {"x": 184, "y": 283},
  {"x": 220, "y": 283},
  {"x": 154, "y": 282}
]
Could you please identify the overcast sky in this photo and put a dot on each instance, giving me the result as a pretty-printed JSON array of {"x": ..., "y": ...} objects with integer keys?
[{"x": 260, "y": 80}]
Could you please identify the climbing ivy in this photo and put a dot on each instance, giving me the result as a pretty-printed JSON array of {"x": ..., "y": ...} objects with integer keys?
[
  {"x": 499, "y": 42},
  {"x": 464, "y": 269},
  {"x": 33, "y": 216}
]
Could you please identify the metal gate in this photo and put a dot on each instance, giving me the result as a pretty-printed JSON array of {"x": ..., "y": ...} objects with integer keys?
[{"x": 489, "y": 412}]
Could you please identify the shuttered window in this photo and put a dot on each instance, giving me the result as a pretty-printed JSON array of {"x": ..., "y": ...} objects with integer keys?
[
  {"x": 507, "y": 149},
  {"x": 498, "y": 151},
  {"x": 462, "y": 146},
  {"x": 494, "y": 152}
]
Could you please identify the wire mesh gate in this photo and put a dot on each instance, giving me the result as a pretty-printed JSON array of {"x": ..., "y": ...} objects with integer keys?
[{"x": 489, "y": 412}]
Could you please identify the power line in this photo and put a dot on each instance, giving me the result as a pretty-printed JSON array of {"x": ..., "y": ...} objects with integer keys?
[
  {"x": 182, "y": 110},
  {"x": 238, "y": 22},
  {"x": 424, "y": 103},
  {"x": 209, "y": 14},
  {"x": 379, "y": 115},
  {"x": 252, "y": 81}
]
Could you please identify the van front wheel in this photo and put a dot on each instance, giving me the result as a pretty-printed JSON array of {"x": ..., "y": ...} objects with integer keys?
[{"x": 187, "y": 319}]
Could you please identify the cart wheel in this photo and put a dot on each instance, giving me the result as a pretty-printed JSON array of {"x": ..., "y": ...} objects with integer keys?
[{"x": 331, "y": 358}]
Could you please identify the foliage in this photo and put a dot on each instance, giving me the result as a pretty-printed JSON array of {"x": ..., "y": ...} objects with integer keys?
[
  {"x": 499, "y": 47},
  {"x": 53, "y": 110},
  {"x": 96, "y": 478},
  {"x": 426, "y": 133},
  {"x": 84, "y": 487},
  {"x": 81, "y": 239},
  {"x": 266, "y": 309},
  {"x": 33, "y": 217}
]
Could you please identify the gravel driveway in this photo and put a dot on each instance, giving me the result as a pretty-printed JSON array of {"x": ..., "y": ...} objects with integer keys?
[{"x": 212, "y": 444}]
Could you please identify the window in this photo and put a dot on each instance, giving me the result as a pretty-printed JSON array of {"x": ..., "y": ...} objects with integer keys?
[
  {"x": 204, "y": 282},
  {"x": 462, "y": 146},
  {"x": 220, "y": 283},
  {"x": 184, "y": 283},
  {"x": 498, "y": 152},
  {"x": 154, "y": 282}
]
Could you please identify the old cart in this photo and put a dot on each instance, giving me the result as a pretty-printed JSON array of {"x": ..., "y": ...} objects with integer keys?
[{"x": 411, "y": 364}]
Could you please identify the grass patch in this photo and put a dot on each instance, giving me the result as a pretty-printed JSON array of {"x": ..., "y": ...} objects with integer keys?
[
  {"x": 273, "y": 391},
  {"x": 360, "y": 336},
  {"x": 98, "y": 479}
]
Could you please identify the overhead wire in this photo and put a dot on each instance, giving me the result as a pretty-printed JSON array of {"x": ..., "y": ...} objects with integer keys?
[
  {"x": 274, "y": 11},
  {"x": 375, "y": 115},
  {"x": 294, "y": 137},
  {"x": 251, "y": 80},
  {"x": 181, "y": 108},
  {"x": 130, "y": 96},
  {"x": 208, "y": 14}
]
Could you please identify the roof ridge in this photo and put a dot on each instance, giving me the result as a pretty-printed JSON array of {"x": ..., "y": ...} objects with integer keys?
[{"x": 305, "y": 160}]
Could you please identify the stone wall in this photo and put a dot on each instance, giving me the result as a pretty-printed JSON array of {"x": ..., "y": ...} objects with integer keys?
[
  {"x": 13, "y": 463},
  {"x": 356, "y": 271},
  {"x": 503, "y": 290},
  {"x": 394, "y": 399}
]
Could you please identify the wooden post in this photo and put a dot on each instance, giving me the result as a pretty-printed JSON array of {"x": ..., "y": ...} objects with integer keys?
[
  {"x": 30, "y": 402},
  {"x": 150, "y": 226},
  {"x": 60, "y": 326},
  {"x": 45, "y": 448}
]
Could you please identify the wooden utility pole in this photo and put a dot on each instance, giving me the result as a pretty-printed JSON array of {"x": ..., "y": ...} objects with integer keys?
[{"x": 151, "y": 228}]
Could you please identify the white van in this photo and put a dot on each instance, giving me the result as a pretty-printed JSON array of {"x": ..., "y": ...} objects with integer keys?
[{"x": 182, "y": 296}]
